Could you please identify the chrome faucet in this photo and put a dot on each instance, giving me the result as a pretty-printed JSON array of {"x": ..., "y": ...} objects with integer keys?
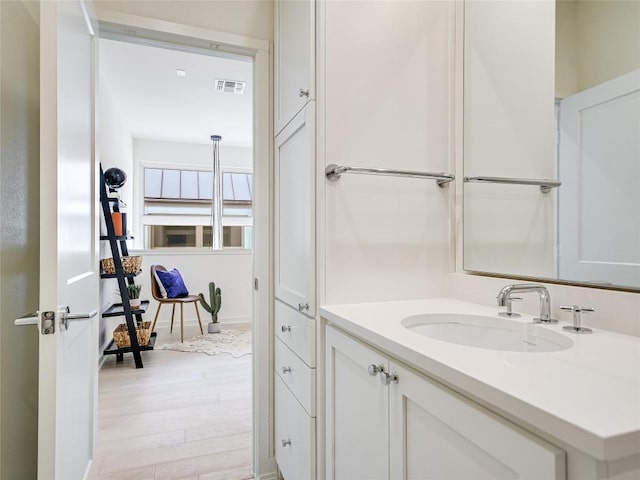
[{"x": 545, "y": 301}]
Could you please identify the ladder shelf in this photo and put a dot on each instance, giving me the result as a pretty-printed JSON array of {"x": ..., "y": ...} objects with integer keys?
[{"x": 133, "y": 317}]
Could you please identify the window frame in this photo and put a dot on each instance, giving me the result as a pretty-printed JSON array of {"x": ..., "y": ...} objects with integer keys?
[{"x": 139, "y": 201}]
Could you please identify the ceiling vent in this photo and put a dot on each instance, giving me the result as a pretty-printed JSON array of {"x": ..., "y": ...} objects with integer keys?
[{"x": 230, "y": 86}]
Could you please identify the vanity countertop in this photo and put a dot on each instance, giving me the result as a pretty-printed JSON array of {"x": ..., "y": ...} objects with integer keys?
[{"x": 587, "y": 396}]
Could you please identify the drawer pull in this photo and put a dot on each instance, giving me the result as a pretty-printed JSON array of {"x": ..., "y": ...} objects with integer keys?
[
  {"x": 375, "y": 369},
  {"x": 286, "y": 369},
  {"x": 303, "y": 93},
  {"x": 285, "y": 328},
  {"x": 286, "y": 442},
  {"x": 303, "y": 306}
]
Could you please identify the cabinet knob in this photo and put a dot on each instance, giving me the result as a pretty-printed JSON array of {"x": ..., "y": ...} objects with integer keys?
[
  {"x": 375, "y": 369},
  {"x": 303, "y": 306},
  {"x": 285, "y": 328},
  {"x": 286, "y": 369},
  {"x": 303, "y": 93},
  {"x": 286, "y": 442},
  {"x": 577, "y": 320},
  {"x": 387, "y": 378}
]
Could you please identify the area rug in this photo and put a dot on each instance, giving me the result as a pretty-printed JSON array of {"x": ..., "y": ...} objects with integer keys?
[{"x": 234, "y": 341}]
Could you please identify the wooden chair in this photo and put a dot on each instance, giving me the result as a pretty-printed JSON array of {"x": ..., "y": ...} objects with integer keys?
[{"x": 155, "y": 292}]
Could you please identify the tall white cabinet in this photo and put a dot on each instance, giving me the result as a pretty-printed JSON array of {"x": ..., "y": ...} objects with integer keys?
[
  {"x": 294, "y": 58},
  {"x": 294, "y": 240},
  {"x": 385, "y": 421}
]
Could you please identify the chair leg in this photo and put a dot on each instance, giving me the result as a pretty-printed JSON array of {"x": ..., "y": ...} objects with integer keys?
[
  {"x": 181, "y": 322},
  {"x": 173, "y": 311},
  {"x": 155, "y": 319},
  {"x": 198, "y": 314}
]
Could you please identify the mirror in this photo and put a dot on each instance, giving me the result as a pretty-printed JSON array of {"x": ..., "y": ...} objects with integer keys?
[{"x": 551, "y": 140}]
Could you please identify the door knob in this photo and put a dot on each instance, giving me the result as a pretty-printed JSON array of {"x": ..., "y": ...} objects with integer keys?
[
  {"x": 48, "y": 325},
  {"x": 66, "y": 316},
  {"x": 28, "y": 319}
]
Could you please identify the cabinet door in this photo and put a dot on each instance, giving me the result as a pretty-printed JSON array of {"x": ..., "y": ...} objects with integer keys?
[
  {"x": 294, "y": 58},
  {"x": 357, "y": 404},
  {"x": 295, "y": 435},
  {"x": 295, "y": 212},
  {"x": 436, "y": 433}
]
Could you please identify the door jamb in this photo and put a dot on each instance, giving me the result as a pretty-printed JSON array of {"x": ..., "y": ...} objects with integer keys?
[{"x": 197, "y": 39}]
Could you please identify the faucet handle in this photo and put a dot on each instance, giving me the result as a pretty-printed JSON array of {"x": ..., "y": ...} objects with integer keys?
[
  {"x": 577, "y": 311},
  {"x": 510, "y": 313}
]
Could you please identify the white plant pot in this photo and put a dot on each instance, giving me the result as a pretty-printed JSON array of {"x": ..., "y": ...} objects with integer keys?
[
  {"x": 213, "y": 328},
  {"x": 134, "y": 303}
]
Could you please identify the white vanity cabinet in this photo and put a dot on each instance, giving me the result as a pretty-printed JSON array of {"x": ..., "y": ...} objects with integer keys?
[
  {"x": 409, "y": 426},
  {"x": 294, "y": 174},
  {"x": 294, "y": 58}
]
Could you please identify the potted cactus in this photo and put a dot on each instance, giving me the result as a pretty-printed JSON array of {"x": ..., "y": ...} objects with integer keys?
[
  {"x": 133, "y": 292},
  {"x": 215, "y": 296}
]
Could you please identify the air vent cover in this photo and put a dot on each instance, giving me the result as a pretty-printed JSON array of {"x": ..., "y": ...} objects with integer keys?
[{"x": 230, "y": 86}]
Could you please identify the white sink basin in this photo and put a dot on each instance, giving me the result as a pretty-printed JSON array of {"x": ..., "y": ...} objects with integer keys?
[{"x": 487, "y": 332}]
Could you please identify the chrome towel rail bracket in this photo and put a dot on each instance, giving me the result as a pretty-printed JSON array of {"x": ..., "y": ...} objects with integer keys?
[{"x": 545, "y": 184}]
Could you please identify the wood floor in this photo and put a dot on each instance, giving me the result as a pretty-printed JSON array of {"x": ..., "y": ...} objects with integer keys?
[{"x": 183, "y": 416}]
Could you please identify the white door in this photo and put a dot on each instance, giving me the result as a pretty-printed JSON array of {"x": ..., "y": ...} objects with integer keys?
[
  {"x": 357, "y": 416},
  {"x": 295, "y": 212},
  {"x": 599, "y": 200},
  {"x": 435, "y": 433},
  {"x": 68, "y": 259}
]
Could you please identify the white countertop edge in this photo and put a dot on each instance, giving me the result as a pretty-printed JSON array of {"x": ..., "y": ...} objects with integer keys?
[{"x": 517, "y": 410}]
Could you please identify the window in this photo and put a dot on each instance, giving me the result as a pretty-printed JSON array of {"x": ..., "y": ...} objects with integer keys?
[{"x": 177, "y": 208}]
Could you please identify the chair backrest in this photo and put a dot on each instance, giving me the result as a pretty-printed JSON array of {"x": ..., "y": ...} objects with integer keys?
[{"x": 155, "y": 291}]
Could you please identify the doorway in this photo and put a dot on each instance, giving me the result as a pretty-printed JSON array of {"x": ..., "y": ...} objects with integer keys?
[{"x": 148, "y": 215}]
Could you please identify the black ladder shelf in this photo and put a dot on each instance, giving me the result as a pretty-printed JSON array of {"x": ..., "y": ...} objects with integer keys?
[{"x": 119, "y": 249}]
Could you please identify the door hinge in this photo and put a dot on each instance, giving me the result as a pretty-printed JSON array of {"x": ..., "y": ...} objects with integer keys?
[{"x": 255, "y": 284}]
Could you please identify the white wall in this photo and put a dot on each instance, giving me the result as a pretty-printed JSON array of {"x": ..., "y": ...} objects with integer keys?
[
  {"x": 608, "y": 40},
  {"x": 19, "y": 236},
  {"x": 252, "y": 18},
  {"x": 595, "y": 42},
  {"x": 388, "y": 93},
  {"x": 231, "y": 271},
  {"x": 115, "y": 144},
  {"x": 158, "y": 152}
]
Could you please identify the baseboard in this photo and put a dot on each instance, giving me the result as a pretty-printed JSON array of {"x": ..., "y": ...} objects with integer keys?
[
  {"x": 269, "y": 476},
  {"x": 162, "y": 326},
  {"x": 101, "y": 360},
  {"x": 88, "y": 469}
]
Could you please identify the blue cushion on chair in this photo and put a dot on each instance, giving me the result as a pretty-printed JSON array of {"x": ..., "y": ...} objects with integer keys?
[{"x": 173, "y": 282}]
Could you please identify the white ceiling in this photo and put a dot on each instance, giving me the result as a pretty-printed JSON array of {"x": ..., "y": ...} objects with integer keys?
[{"x": 156, "y": 104}]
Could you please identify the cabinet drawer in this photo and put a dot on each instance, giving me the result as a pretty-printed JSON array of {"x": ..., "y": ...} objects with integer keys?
[
  {"x": 295, "y": 434},
  {"x": 300, "y": 379},
  {"x": 298, "y": 331}
]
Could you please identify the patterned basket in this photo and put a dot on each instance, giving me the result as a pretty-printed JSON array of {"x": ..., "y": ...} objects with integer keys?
[
  {"x": 129, "y": 265},
  {"x": 121, "y": 335}
]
